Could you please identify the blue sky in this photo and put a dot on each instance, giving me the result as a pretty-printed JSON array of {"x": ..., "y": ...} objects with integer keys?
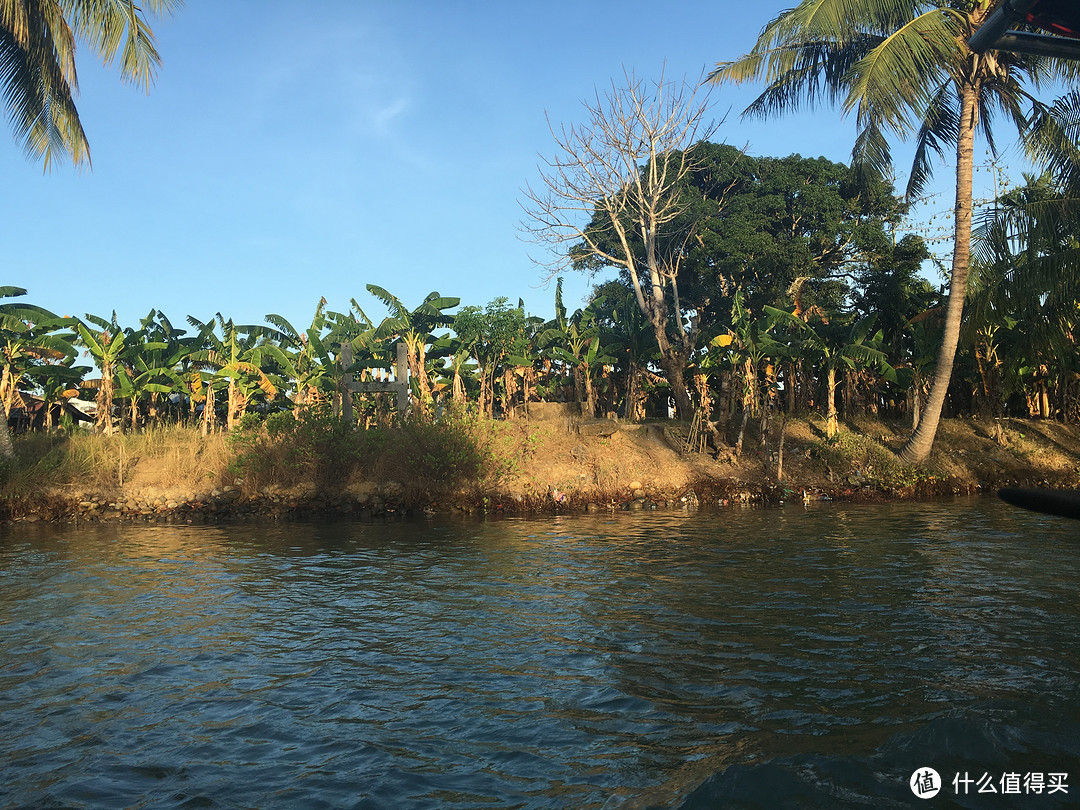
[{"x": 295, "y": 150}]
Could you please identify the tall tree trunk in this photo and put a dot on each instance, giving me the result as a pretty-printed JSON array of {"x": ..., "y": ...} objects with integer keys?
[
  {"x": 233, "y": 405},
  {"x": 764, "y": 431},
  {"x": 487, "y": 394},
  {"x": 631, "y": 393},
  {"x": 742, "y": 430},
  {"x": 701, "y": 385},
  {"x": 528, "y": 383},
  {"x": 725, "y": 402},
  {"x": 509, "y": 392},
  {"x": 674, "y": 365},
  {"x": 7, "y": 391},
  {"x": 848, "y": 394},
  {"x": 780, "y": 449},
  {"x": 579, "y": 388},
  {"x": 634, "y": 409},
  {"x": 917, "y": 448},
  {"x": 749, "y": 398},
  {"x": 417, "y": 359},
  {"x": 7, "y": 449},
  {"x": 459, "y": 387},
  {"x": 915, "y": 395}
]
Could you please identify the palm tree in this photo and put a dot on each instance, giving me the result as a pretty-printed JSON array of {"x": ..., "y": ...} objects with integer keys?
[
  {"x": 1027, "y": 250},
  {"x": 905, "y": 68},
  {"x": 37, "y": 63},
  {"x": 1054, "y": 139}
]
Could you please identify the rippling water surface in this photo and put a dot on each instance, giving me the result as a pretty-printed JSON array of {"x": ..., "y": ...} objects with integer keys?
[{"x": 791, "y": 657}]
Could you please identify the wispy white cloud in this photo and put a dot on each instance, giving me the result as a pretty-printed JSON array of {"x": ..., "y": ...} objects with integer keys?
[{"x": 384, "y": 116}]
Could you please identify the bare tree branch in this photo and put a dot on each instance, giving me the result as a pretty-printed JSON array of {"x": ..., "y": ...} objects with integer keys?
[{"x": 615, "y": 181}]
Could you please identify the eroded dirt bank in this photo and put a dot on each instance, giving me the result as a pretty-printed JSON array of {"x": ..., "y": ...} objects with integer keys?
[{"x": 556, "y": 466}]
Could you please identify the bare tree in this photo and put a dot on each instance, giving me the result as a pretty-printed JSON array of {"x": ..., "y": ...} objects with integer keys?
[{"x": 614, "y": 196}]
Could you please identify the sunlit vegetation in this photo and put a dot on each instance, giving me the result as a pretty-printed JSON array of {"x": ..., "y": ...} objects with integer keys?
[{"x": 804, "y": 302}]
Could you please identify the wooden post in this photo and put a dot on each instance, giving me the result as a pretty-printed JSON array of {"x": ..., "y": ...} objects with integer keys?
[
  {"x": 399, "y": 386},
  {"x": 346, "y": 385},
  {"x": 401, "y": 377}
]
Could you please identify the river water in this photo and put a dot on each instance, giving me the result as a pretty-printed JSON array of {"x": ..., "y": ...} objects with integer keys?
[{"x": 791, "y": 657}]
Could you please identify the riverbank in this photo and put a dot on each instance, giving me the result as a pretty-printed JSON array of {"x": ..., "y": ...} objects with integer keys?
[{"x": 518, "y": 467}]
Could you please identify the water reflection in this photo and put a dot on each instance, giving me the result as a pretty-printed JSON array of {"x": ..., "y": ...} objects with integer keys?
[{"x": 574, "y": 661}]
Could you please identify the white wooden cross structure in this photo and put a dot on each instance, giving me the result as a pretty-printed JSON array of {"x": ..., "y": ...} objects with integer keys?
[{"x": 399, "y": 385}]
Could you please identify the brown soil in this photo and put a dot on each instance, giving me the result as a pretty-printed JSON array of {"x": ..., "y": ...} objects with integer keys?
[
  {"x": 860, "y": 464},
  {"x": 555, "y": 465}
]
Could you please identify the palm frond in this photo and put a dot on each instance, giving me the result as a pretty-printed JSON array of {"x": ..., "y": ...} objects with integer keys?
[
  {"x": 901, "y": 76},
  {"x": 940, "y": 128}
]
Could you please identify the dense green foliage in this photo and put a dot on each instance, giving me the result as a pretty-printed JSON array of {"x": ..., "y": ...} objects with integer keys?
[{"x": 805, "y": 299}]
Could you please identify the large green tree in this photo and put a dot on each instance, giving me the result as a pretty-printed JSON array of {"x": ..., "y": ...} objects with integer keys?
[
  {"x": 762, "y": 224},
  {"x": 905, "y": 69},
  {"x": 38, "y": 39}
]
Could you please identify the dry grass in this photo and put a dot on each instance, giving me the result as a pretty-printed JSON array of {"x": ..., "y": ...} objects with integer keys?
[
  {"x": 530, "y": 459},
  {"x": 163, "y": 457}
]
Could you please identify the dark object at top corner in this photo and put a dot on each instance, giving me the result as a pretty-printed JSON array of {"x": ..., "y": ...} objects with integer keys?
[{"x": 1061, "y": 18}]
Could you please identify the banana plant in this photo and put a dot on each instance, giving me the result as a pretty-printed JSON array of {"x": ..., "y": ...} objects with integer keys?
[
  {"x": 746, "y": 345},
  {"x": 575, "y": 341},
  {"x": 29, "y": 344},
  {"x": 236, "y": 357},
  {"x": 106, "y": 344},
  {"x": 629, "y": 338},
  {"x": 836, "y": 345},
  {"x": 303, "y": 358},
  {"x": 521, "y": 361},
  {"x": 490, "y": 334},
  {"x": 56, "y": 384},
  {"x": 415, "y": 328}
]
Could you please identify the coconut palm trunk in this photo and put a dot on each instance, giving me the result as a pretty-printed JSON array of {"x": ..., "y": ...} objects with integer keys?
[{"x": 917, "y": 449}]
